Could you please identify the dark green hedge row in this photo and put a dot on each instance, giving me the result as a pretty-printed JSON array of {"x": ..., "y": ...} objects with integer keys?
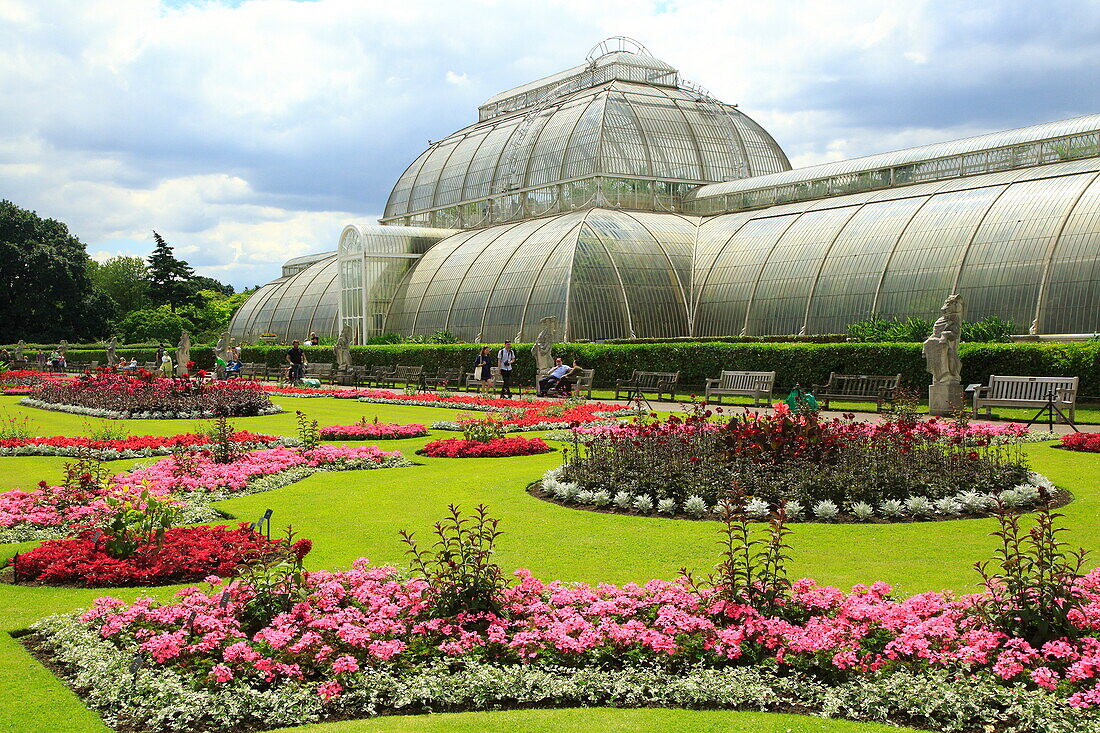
[{"x": 794, "y": 363}]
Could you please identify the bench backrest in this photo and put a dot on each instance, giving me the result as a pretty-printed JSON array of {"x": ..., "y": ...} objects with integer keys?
[
  {"x": 584, "y": 377},
  {"x": 651, "y": 379},
  {"x": 1028, "y": 388},
  {"x": 404, "y": 372},
  {"x": 862, "y": 384},
  {"x": 746, "y": 380}
]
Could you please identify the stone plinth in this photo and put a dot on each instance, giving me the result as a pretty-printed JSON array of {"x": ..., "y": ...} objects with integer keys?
[{"x": 945, "y": 398}]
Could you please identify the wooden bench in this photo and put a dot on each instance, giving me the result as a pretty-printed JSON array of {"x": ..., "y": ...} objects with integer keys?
[
  {"x": 582, "y": 380},
  {"x": 319, "y": 370},
  {"x": 857, "y": 388},
  {"x": 656, "y": 383},
  {"x": 403, "y": 375},
  {"x": 474, "y": 384},
  {"x": 1004, "y": 391},
  {"x": 758, "y": 385},
  {"x": 444, "y": 378}
]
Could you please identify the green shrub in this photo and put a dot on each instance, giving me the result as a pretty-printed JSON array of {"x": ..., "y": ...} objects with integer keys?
[
  {"x": 794, "y": 363},
  {"x": 887, "y": 330}
]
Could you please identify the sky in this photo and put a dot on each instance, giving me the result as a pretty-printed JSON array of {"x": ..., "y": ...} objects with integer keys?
[{"x": 247, "y": 132}]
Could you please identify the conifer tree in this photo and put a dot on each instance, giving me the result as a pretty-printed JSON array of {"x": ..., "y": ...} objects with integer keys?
[{"x": 169, "y": 277}]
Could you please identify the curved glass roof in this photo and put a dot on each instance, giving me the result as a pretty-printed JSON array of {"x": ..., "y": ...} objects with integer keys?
[
  {"x": 1023, "y": 245},
  {"x": 603, "y": 274},
  {"x": 293, "y": 306},
  {"x": 624, "y": 115},
  {"x": 1006, "y": 150}
]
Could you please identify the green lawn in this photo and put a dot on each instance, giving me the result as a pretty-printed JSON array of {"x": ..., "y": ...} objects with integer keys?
[{"x": 358, "y": 513}]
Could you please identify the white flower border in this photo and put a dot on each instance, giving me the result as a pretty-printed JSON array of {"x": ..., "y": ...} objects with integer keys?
[
  {"x": 158, "y": 699},
  {"x": 127, "y": 415},
  {"x": 963, "y": 505}
]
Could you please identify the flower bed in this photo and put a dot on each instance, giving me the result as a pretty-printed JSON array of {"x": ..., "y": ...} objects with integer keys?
[
  {"x": 827, "y": 470},
  {"x": 201, "y": 474},
  {"x": 20, "y": 378},
  {"x": 185, "y": 554},
  {"x": 50, "y": 512},
  {"x": 145, "y": 396},
  {"x": 355, "y": 635},
  {"x": 135, "y": 446},
  {"x": 1088, "y": 442},
  {"x": 373, "y": 431},
  {"x": 963, "y": 505},
  {"x": 495, "y": 448}
]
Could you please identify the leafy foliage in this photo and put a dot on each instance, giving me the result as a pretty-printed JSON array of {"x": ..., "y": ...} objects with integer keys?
[
  {"x": 169, "y": 277},
  {"x": 459, "y": 570},
  {"x": 124, "y": 279},
  {"x": 1032, "y": 582},
  {"x": 47, "y": 292},
  {"x": 154, "y": 324},
  {"x": 895, "y": 330},
  {"x": 133, "y": 524}
]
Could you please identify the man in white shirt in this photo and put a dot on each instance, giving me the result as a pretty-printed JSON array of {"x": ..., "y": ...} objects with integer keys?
[
  {"x": 557, "y": 378},
  {"x": 505, "y": 359}
]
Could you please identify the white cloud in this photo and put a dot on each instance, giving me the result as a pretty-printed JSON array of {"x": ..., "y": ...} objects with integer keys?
[
  {"x": 251, "y": 132},
  {"x": 458, "y": 79}
]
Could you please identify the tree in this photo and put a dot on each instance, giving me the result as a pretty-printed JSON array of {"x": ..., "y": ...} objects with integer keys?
[
  {"x": 202, "y": 282},
  {"x": 212, "y": 318},
  {"x": 170, "y": 277},
  {"x": 125, "y": 279},
  {"x": 47, "y": 293},
  {"x": 155, "y": 324}
]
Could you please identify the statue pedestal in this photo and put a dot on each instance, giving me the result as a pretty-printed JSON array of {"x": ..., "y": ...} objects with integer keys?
[{"x": 945, "y": 398}]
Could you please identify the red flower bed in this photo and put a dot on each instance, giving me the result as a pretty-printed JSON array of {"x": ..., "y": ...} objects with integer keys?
[
  {"x": 496, "y": 448},
  {"x": 187, "y": 554},
  {"x": 145, "y": 443},
  {"x": 109, "y": 394},
  {"x": 17, "y": 391},
  {"x": 1089, "y": 442}
]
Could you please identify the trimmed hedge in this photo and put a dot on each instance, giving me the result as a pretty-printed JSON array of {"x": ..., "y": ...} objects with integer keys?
[{"x": 794, "y": 363}]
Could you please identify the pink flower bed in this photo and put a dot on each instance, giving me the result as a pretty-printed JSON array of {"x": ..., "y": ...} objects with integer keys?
[
  {"x": 495, "y": 448},
  {"x": 58, "y": 506},
  {"x": 73, "y": 508},
  {"x": 373, "y": 431},
  {"x": 369, "y": 618},
  {"x": 203, "y": 474}
]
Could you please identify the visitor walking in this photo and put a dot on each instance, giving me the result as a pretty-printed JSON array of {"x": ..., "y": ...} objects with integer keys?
[
  {"x": 505, "y": 359},
  {"x": 297, "y": 360},
  {"x": 483, "y": 369},
  {"x": 165, "y": 365}
]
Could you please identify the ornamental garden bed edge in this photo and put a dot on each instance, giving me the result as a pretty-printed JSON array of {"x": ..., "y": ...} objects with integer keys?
[{"x": 1058, "y": 498}]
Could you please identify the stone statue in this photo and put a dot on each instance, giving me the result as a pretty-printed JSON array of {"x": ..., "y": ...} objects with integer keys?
[
  {"x": 183, "y": 352},
  {"x": 112, "y": 357},
  {"x": 222, "y": 348},
  {"x": 342, "y": 349},
  {"x": 19, "y": 351},
  {"x": 544, "y": 344},
  {"x": 62, "y": 348},
  {"x": 941, "y": 354}
]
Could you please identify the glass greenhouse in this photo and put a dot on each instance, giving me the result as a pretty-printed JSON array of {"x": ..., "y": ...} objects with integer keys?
[{"x": 627, "y": 202}]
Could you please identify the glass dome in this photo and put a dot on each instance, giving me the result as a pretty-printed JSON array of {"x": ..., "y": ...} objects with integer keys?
[
  {"x": 294, "y": 305},
  {"x": 624, "y": 117},
  {"x": 602, "y": 274}
]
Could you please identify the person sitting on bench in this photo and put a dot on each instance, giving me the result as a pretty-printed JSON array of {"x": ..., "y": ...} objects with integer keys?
[{"x": 558, "y": 379}]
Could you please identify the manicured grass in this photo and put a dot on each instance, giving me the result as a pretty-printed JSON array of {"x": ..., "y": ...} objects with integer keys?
[{"x": 358, "y": 513}]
